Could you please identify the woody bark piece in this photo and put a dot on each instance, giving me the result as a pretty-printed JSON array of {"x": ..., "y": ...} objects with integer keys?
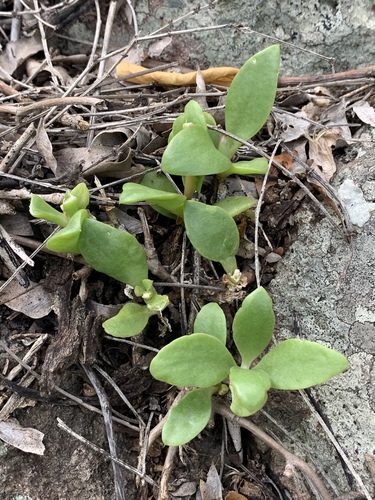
[{"x": 75, "y": 322}]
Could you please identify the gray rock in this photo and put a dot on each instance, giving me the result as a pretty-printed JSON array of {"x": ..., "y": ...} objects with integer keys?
[
  {"x": 341, "y": 29},
  {"x": 327, "y": 284}
]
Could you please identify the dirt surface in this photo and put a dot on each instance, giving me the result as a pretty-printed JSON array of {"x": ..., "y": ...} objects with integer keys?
[{"x": 51, "y": 313}]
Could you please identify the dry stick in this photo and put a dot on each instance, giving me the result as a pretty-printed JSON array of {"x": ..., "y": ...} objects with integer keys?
[
  {"x": 284, "y": 170},
  {"x": 257, "y": 214},
  {"x": 246, "y": 29},
  {"x": 185, "y": 16},
  {"x": 344, "y": 214},
  {"x": 48, "y": 103},
  {"x": 132, "y": 343},
  {"x": 106, "y": 40},
  {"x": 90, "y": 62},
  {"x": 45, "y": 45},
  {"x": 303, "y": 447},
  {"x": 167, "y": 469},
  {"x": 15, "y": 150},
  {"x": 183, "y": 315},
  {"x": 134, "y": 17},
  {"x": 336, "y": 444},
  {"x": 143, "y": 447},
  {"x": 135, "y": 471},
  {"x": 156, "y": 431},
  {"x": 105, "y": 405},
  {"x": 21, "y": 266},
  {"x": 16, "y": 21},
  {"x": 61, "y": 391},
  {"x": 120, "y": 393},
  {"x": 154, "y": 264},
  {"x": 353, "y": 74},
  {"x": 291, "y": 459}
]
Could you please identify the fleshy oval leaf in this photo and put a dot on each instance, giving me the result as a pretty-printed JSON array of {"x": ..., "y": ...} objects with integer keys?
[
  {"x": 130, "y": 320},
  {"x": 212, "y": 232},
  {"x": 211, "y": 320},
  {"x": 258, "y": 166},
  {"x": 156, "y": 179},
  {"x": 134, "y": 193},
  {"x": 188, "y": 417},
  {"x": 82, "y": 194},
  {"x": 193, "y": 113},
  {"x": 43, "y": 210},
  {"x": 70, "y": 204},
  {"x": 249, "y": 390},
  {"x": 196, "y": 360},
  {"x": 113, "y": 252},
  {"x": 235, "y": 205},
  {"x": 298, "y": 364},
  {"x": 192, "y": 152},
  {"x": 251, "y": 95},
  {"x": 253, "y": 325},
  {"x": 67, "y": 239}
]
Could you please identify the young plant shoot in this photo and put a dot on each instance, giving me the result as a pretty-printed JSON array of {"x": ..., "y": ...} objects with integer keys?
[
  {"x": 201, "y": 361},
  {"x": 195, "y": 151},
  {"x": 108, "y": 250}
]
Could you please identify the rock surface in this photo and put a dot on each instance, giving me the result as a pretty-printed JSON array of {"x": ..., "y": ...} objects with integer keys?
[
  {"x": 339, "y": 29},
  {"x": 325, "y": 285}
]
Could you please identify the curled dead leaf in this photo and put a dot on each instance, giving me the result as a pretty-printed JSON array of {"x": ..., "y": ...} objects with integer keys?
[
  {"x": 219, "y": 76},
  {"x": 24, "y": 438}
]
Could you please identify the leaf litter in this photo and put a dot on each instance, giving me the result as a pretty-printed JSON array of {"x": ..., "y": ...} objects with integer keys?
[{"x": 107, "y": 127}]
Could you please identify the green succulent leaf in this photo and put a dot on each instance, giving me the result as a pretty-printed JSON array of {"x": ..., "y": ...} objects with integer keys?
[
  {"x": 188, "y": 417},
  {"x": 251, "y": 95},
  {"x": 231, "y": 268},
  {"x": 134, "y": 193},
  {"x": 235, "y": 205},
  {"x": 192, "y": 152},
  {"x": 212, "y": 232},
  {"x": 156, "y": 179},
  {"x": 193, "y": 113},
  {"x": 82, "y": 194},
  {"x": 113, "y": 252},
  {"x": 76, "y": 199},
  {"x": 249, "y": 390},
  {"x": 130, "y": 320},
  {"x": 298, "y": 364},
  {"x": 196, "y": 360},
  {"x": 67, "y": 239},
  {"x": 211, "y": 320},
  {"x": 42, "y": 210},
  {"x": 253, "y": 325},
  {"x": 258, "y": 166}
]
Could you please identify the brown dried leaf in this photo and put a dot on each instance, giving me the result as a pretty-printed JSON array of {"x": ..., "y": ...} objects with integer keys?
[
  {"x": 233, "y": 495},
  {"x": 219, "y": 76},
  {"x": 156, "y": 48},
  {"x": 39, "y": 73},
  {"x": 365, "y": 112},
  {"x": 211, "y": 489},
  {"x": 292, "y": 126},
  {"x": 24, "y": 438},
  {"x": 320, "y": 151},
  {"x": 16, "y": 53},
  {"x": 34, "y": 301},
  {"x": 44, "y": 146}
]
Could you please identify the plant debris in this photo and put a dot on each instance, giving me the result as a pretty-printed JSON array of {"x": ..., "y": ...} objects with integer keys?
[{"x": 101, "y": 118}]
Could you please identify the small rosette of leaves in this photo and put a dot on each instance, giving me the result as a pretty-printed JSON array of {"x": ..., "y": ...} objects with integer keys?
[{"x": 202, "y": 361}]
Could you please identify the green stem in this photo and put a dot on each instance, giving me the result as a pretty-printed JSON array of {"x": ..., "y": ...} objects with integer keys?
[{"x": 190, "y": 186}]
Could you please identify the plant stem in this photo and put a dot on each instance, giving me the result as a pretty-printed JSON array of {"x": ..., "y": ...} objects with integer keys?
[
  {"x": 190, "y": 186},
  {"x": 290, "y": 458}
]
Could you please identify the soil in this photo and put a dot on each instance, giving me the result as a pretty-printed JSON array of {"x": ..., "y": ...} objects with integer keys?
[{"x": 68, "y": 326}]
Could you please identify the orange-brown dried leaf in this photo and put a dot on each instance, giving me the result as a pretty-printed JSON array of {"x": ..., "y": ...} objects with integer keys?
[{"x": 218, "y": 76}]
